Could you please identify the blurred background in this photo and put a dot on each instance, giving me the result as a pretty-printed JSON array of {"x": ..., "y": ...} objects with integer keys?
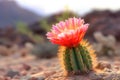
[
  {"x": 25, "y": 51},
  {"x": 24, "y": 23}
]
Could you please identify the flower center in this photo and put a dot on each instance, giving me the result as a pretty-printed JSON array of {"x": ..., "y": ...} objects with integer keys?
[{"x": 68, "y": 32}]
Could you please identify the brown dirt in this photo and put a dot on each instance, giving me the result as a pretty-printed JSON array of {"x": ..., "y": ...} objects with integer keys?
[{"x": 29, "y": 68}]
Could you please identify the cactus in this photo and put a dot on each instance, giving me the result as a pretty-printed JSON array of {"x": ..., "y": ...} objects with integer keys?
[
  {"x": 77, "y": 60},
  {"x": 75, "y": 54}
]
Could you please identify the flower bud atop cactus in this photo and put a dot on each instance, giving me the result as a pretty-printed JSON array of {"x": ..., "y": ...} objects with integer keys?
[{"x": 75, "y": 54}]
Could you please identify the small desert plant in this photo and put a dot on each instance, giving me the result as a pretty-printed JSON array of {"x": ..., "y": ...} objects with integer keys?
[
  {"x": 24, "y": 29},
  {"x": 44, "y": 50},
  {"x": 105, "y": 44},
  {"x": 44, "y": 24},
  {"x": 76, "y": 55}
]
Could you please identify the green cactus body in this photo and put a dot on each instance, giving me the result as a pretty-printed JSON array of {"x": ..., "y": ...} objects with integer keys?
[{"x": 77, "y": 59}]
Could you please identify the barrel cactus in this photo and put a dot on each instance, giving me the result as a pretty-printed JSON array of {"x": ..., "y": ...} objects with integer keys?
[
  {"x": 77, "y": 60},
  {"x": 76, "y": 54}
]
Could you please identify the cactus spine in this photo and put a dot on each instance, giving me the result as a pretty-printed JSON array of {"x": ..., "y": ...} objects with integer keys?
[{"x": 77, "y": 59}]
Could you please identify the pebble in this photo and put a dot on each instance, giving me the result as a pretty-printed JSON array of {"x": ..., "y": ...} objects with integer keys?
[
  {"x": 117, "y": 68},
  {"x": 26, "y": 67},
  {"x": 28, "y": 77},
  {"x": 12, "y": 73},
  {"x": 112, "y": 77},
  {"x": 94, "y": 76},
  {"x": 103, "y": 65},
  {"x": 23, "y": 73},
  {"x": 41, "y": 78}
]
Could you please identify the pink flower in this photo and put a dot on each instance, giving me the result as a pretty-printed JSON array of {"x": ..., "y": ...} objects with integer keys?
[{"x": 68, "y": 33}]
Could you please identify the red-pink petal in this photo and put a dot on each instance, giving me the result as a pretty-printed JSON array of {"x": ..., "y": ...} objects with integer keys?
[{"x": 68, "y": 33}]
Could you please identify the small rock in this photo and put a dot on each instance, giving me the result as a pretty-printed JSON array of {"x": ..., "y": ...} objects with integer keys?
[
  {"x": 94, "y": 76},
  {"x": 23, "y": 52},
  {"x": 107, "y": 70},
  {"x": 103, "y": 65},
  {"x": 112, "y": 77},
  {"x": 102, "y": 74},
  {"x": 12, "y": 73},
  {"x": 34, "y": 70},
  {"x": 49, "y": 73},
  {"x": 7, "y": 78},
  {"x": 117, "y": 68},
  {"x": 33, "y": 78},
  {"x": 23, "y": 73},
  {"x": 27, "y": 77},
  {"x": 26, "y": 67},
  {"x": 4, "y": 51},
  {"x": 41, "y": 78},
  {"x": 29, "y": 46},
  {"x": 38, "y": 74}
]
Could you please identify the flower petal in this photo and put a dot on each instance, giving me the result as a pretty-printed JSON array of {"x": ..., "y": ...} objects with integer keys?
[{"x": 68, "y": 33}]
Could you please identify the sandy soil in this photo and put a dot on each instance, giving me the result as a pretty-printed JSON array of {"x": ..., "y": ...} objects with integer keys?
[{"x": 30, "y": 68}]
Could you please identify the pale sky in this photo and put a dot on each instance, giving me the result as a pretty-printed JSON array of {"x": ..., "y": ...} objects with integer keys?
[{"x": 81, "y": 6}]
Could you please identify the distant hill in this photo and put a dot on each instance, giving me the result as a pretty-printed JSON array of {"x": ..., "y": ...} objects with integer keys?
[
  {"x": 106, "y": 21},
  {"x": 11, "y": 12}
]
